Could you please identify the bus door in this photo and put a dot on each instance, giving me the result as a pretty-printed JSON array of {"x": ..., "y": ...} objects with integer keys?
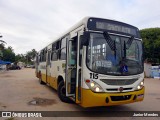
[
  {"x": 73, "y": 70},
  {"x": 48, "y": 67}
]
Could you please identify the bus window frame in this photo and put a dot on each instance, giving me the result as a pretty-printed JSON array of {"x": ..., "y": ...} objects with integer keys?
[{"x": 63, "y": 47}]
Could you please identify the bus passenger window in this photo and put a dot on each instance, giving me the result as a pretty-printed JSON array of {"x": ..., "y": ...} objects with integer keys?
[
  {"x": 63, "y": 49},
  {"x": 54, "y": 56}
]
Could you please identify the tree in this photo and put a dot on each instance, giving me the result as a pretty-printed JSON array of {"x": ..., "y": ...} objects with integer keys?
[
  {"x": 151, "y": 41},
  {"x": 8, "y": 54},
  {"x": 26, "y": 58},
  {"x": 20, "y": 58},
  {"x": 1, "y": 48},
  {"x": 30, "y": 55}
]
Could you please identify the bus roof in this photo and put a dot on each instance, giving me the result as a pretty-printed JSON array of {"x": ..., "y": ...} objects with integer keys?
[{"x": 84, "y": 22}]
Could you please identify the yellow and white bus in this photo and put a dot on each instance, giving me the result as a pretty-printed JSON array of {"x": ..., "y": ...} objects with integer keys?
[{"x": 98, "y": 62}]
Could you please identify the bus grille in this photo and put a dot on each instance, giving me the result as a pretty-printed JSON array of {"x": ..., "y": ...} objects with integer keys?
[
  {"x": 120, "y": 98},
  {"x": 117, "y": 89},
  {"x": 119, "y": 81}
]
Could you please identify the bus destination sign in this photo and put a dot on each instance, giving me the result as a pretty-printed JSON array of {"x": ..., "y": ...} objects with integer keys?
[
  {"x": 113, "y": 26},
  {"x": 118, "y": 28}
]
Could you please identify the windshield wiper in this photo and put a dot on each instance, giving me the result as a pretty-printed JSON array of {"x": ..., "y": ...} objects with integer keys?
[
  {"x": 110, "y": 42},
  {"x": 129, "y": 42}
]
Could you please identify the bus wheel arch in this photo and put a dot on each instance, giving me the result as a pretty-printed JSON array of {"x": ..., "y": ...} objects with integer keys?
[{"x": 60, "y": 78}]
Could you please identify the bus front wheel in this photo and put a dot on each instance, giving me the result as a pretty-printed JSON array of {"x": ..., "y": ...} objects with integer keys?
[{"x": 62, "y": 93}]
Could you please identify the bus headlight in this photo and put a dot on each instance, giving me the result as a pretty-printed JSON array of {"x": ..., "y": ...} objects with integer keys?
[
  {"x": 97, "y": 89},
  {"x": 140, "y": 86},
  {"x": 94, "y": 86},
  {"x": 142, "y": 83}
]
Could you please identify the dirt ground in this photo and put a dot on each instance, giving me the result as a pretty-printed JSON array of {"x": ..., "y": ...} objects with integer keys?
[{"x": 20, "y": 91}]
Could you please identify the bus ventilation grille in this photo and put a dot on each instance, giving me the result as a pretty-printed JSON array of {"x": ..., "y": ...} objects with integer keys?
[{"x": 119, "y": 81}]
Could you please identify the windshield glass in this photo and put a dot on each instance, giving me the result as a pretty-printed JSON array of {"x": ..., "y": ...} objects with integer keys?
[{"x": 116, "y": 56}]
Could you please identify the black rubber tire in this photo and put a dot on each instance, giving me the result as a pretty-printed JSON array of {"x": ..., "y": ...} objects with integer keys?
[{"x": 62, "y": 93}]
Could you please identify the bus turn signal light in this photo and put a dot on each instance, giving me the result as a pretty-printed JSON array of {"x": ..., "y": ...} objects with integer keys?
[{"x": 87, "y": 81}]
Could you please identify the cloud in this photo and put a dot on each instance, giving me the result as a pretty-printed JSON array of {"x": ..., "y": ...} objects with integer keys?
[{"x": 28, "y": 24}]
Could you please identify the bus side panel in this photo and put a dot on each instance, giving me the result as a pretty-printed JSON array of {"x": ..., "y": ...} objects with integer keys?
[
  {"x": 57, "y": 69},
  {"x": 53, "y": 82},
  {"x": 54, "y": 72},
  {"x": 42, "y": 70},
  {"x": 48, "y": 79},
  {"x": 43, "y": 76}
]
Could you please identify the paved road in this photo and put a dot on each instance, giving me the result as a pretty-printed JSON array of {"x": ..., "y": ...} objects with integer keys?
[{"x": 20, "y": 88}]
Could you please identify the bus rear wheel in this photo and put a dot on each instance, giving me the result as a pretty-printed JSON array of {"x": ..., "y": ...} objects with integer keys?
[
  {"x": 62, "y": 93},
  {"x": 40, "y": 80}
]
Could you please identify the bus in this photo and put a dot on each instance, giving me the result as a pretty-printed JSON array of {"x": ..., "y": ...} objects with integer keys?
[{"x": 98, "y": 62}]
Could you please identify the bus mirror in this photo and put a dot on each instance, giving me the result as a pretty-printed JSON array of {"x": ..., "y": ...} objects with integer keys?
[{"x": 83, "y": 40}]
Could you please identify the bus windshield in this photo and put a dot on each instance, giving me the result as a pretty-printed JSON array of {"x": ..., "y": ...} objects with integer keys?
[{"x": 114, "y": 55}]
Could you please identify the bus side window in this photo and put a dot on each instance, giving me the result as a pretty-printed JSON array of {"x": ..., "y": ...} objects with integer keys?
[
  {"x": 62, "y": 51},
  {"x": 43, "y": 56},
  {"x": 55, "y": 51},
  {"x": 54, "y": 56},
  {"x": 63, "y": 54}
]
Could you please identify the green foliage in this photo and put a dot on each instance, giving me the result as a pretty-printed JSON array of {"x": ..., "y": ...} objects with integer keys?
[
  {"x": 1, "y": 46},
  {"x": 30, "y": 55},
  {"x": 20, "y": 58},
  {"x": 151, "y": 41},
  {"x": 8, "y": 54}
]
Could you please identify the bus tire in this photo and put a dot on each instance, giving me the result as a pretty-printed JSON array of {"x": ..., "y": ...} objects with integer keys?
[{"x": 62, "y": 93}]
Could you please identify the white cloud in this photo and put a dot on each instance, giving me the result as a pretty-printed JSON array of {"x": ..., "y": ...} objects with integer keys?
[{"x": 27, "y": 24}]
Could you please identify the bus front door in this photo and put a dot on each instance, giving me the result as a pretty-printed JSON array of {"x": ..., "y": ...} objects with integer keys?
[{"x": 73, "y": 70}]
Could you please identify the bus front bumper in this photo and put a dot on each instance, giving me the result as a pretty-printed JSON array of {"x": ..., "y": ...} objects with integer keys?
[{"x": 91, "y": 99}]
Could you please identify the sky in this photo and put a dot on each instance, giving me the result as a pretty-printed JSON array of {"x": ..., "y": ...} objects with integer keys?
[{"x": 33, "y": 24}]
